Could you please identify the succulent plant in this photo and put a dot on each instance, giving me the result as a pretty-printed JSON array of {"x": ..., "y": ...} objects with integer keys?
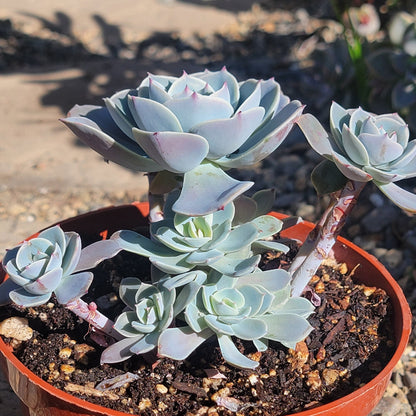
[
  {"x": 151, "y": 309},
  {"x": 256, "y": 307},
  {"x": 42, "y": 266},
  {"x": 180, "y": 243},
  {"x": 393, "y": 70},
  {"x": 192, "y": 126},
  {"x": 366, "y": 147}
]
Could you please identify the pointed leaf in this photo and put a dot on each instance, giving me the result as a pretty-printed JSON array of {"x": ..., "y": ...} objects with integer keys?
[
  {"x": 239, "y": 237},
  {"x": 235, "y": 267},
  {"x": 96, "y": 252},
  {"x": 73, "y": 287},
  {"x": 94, "y": 126},
  {"x": 152, "y": 116},
  {"x": 226, "y": 135},
  {"x": 46, "y": 283},
  {"x": 197, "y": 109},
  {"x": 231, "y": 354},
  {"x": 403, "y": 199},
  {"x": 119, "y": 351},
  {"x": 218, "y": 189},
  {"x": 23, "y": 298},
  {"x": 178, "y": 343},
  {"x": 354, "y": 148},
  {"x": 174, "y": 151},
  {"x": 266, "y": 139}
]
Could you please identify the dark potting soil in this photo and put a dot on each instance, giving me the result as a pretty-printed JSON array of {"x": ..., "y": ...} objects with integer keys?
[{"x": 351, "y": 343}]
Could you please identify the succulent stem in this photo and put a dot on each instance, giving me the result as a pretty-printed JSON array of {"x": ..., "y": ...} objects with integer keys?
[
  {"x": 89, "y": 313},
  {"x": 156, "y": 203},
  {"x": 322, "y": 238}
]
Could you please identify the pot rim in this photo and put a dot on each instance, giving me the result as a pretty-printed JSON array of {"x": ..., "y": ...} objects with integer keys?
[{"x": 404, "y": 310}]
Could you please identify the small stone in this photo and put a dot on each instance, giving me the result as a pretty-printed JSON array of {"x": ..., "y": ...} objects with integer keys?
[
  {"x": 343, "y": 268},
  {"x": 161, "y": 388},
  {"x": 253, "y": 379},
  {"x": 314, "y": 380},
  {"x": 67, "y": 369},
  {"x": 330, "y": 376},
  {"x": 65, "y": 353},
  {"x": 17, "y": 328}
]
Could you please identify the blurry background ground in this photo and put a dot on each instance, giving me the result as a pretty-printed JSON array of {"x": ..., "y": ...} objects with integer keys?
[{"x": 56, "y": 54}]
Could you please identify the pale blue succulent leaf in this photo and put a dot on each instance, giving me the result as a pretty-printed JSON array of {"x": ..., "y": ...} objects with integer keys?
[
  {"x": 219, "y": 190},
  {"x": 33, "y": 270},
  {"x": 226, "y": 135},
  {"x": 185, "y": 82},
  {"x": 316, "y": 135},
  {"x": 73, "y": 287},
  {"x": 32, "y": 250},
  {"x": 261, "y": 344},
  {"x": 185, "y": 296},
  {"x": 22, "y": 297},
  {"x": 223, "y": 215},
  {"x": 393, "y": 123},
  {"x": 174, "y": 151},
  {"x": 172, "y": 239},
  {"x": 178, "y": 343},
  {"x": 287, "y": 329},
  {"x": 46, "y": 283},
  {"x": 56, "y": 235},
  {"x": 118, "y": 113},
  {"x": 358, "y": 116},
  {"x": 250, "y": 94},
  {"x": 250, "y": 328},
  {"x": 232, "y": 355},
  {"x": 217, "y": 326},
  {"x": 236, "y": 267},
  {"x": 95, "y": 253},
  {"x": 381, "y": 148},
  {"x": 262, "y": 245},
  {"x": 72, "y": 253},
  {"x": 152, "y": 116},
  {"x": 219, "y": 233},
  {"x": 123, "y": 324},
  {"x": 402, "y": 198},
  {"x": 14, "y": 273},
  {"x": 194, "y": 318},
  {"x": 255, "y": 296},
  {"x": 136, "y": 243},
  {"x": 129, "y": 286},
  {"x": 267, "y": 226},
  {"x": 173, "y": 264},
  {"x": 239, "y": 237},
  {"x": 355, "y": 150},
  {"x": 272, "y": 280},
  {"x": 157, "y": 92},
  {"x": 197, "y": 109},
  {"x": 97, "y": 130},
  {"x": 217, "y": 79},
  {"x": 145, "y": 344},
  {"x": 382, "y": 176},
  {"x": 266, "y": 139},
  {"x": 407, "y": 161},
  {"x": 11, "y": 255},
  {"x": 349, "y": 170},
  {"x": 119, "y": 351},
  {"x": 204, "y": 257},
  {"x": 297, "y": 305}
]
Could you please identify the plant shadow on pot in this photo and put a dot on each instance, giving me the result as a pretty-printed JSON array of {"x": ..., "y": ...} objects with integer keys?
[{"x": 40, "y": 398}]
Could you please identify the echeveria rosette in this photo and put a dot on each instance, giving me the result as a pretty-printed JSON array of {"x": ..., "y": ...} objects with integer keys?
[
  {"x": 367, "y": 147},
  {"x": 195, "y": 125},
  {"x": 42, "y": 266},
  {"x": 181, "y": 243},
  {"x": 255, "y": 307},
  {"x": 151, "y": 308}
]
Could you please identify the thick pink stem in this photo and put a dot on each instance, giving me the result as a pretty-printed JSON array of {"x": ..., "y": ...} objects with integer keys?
[
  {"x": 322, "y": 238},
  {"x": 96, "y": 319}
]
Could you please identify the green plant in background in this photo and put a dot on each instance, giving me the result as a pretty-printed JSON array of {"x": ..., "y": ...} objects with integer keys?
[{"x": 393, "y": 70}]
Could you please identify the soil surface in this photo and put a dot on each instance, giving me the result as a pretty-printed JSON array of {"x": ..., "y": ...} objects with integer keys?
[{"x": 351, "y": 343}]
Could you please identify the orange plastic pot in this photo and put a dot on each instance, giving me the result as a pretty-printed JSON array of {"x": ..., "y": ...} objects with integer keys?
[{"x": 42, "y": 399}]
